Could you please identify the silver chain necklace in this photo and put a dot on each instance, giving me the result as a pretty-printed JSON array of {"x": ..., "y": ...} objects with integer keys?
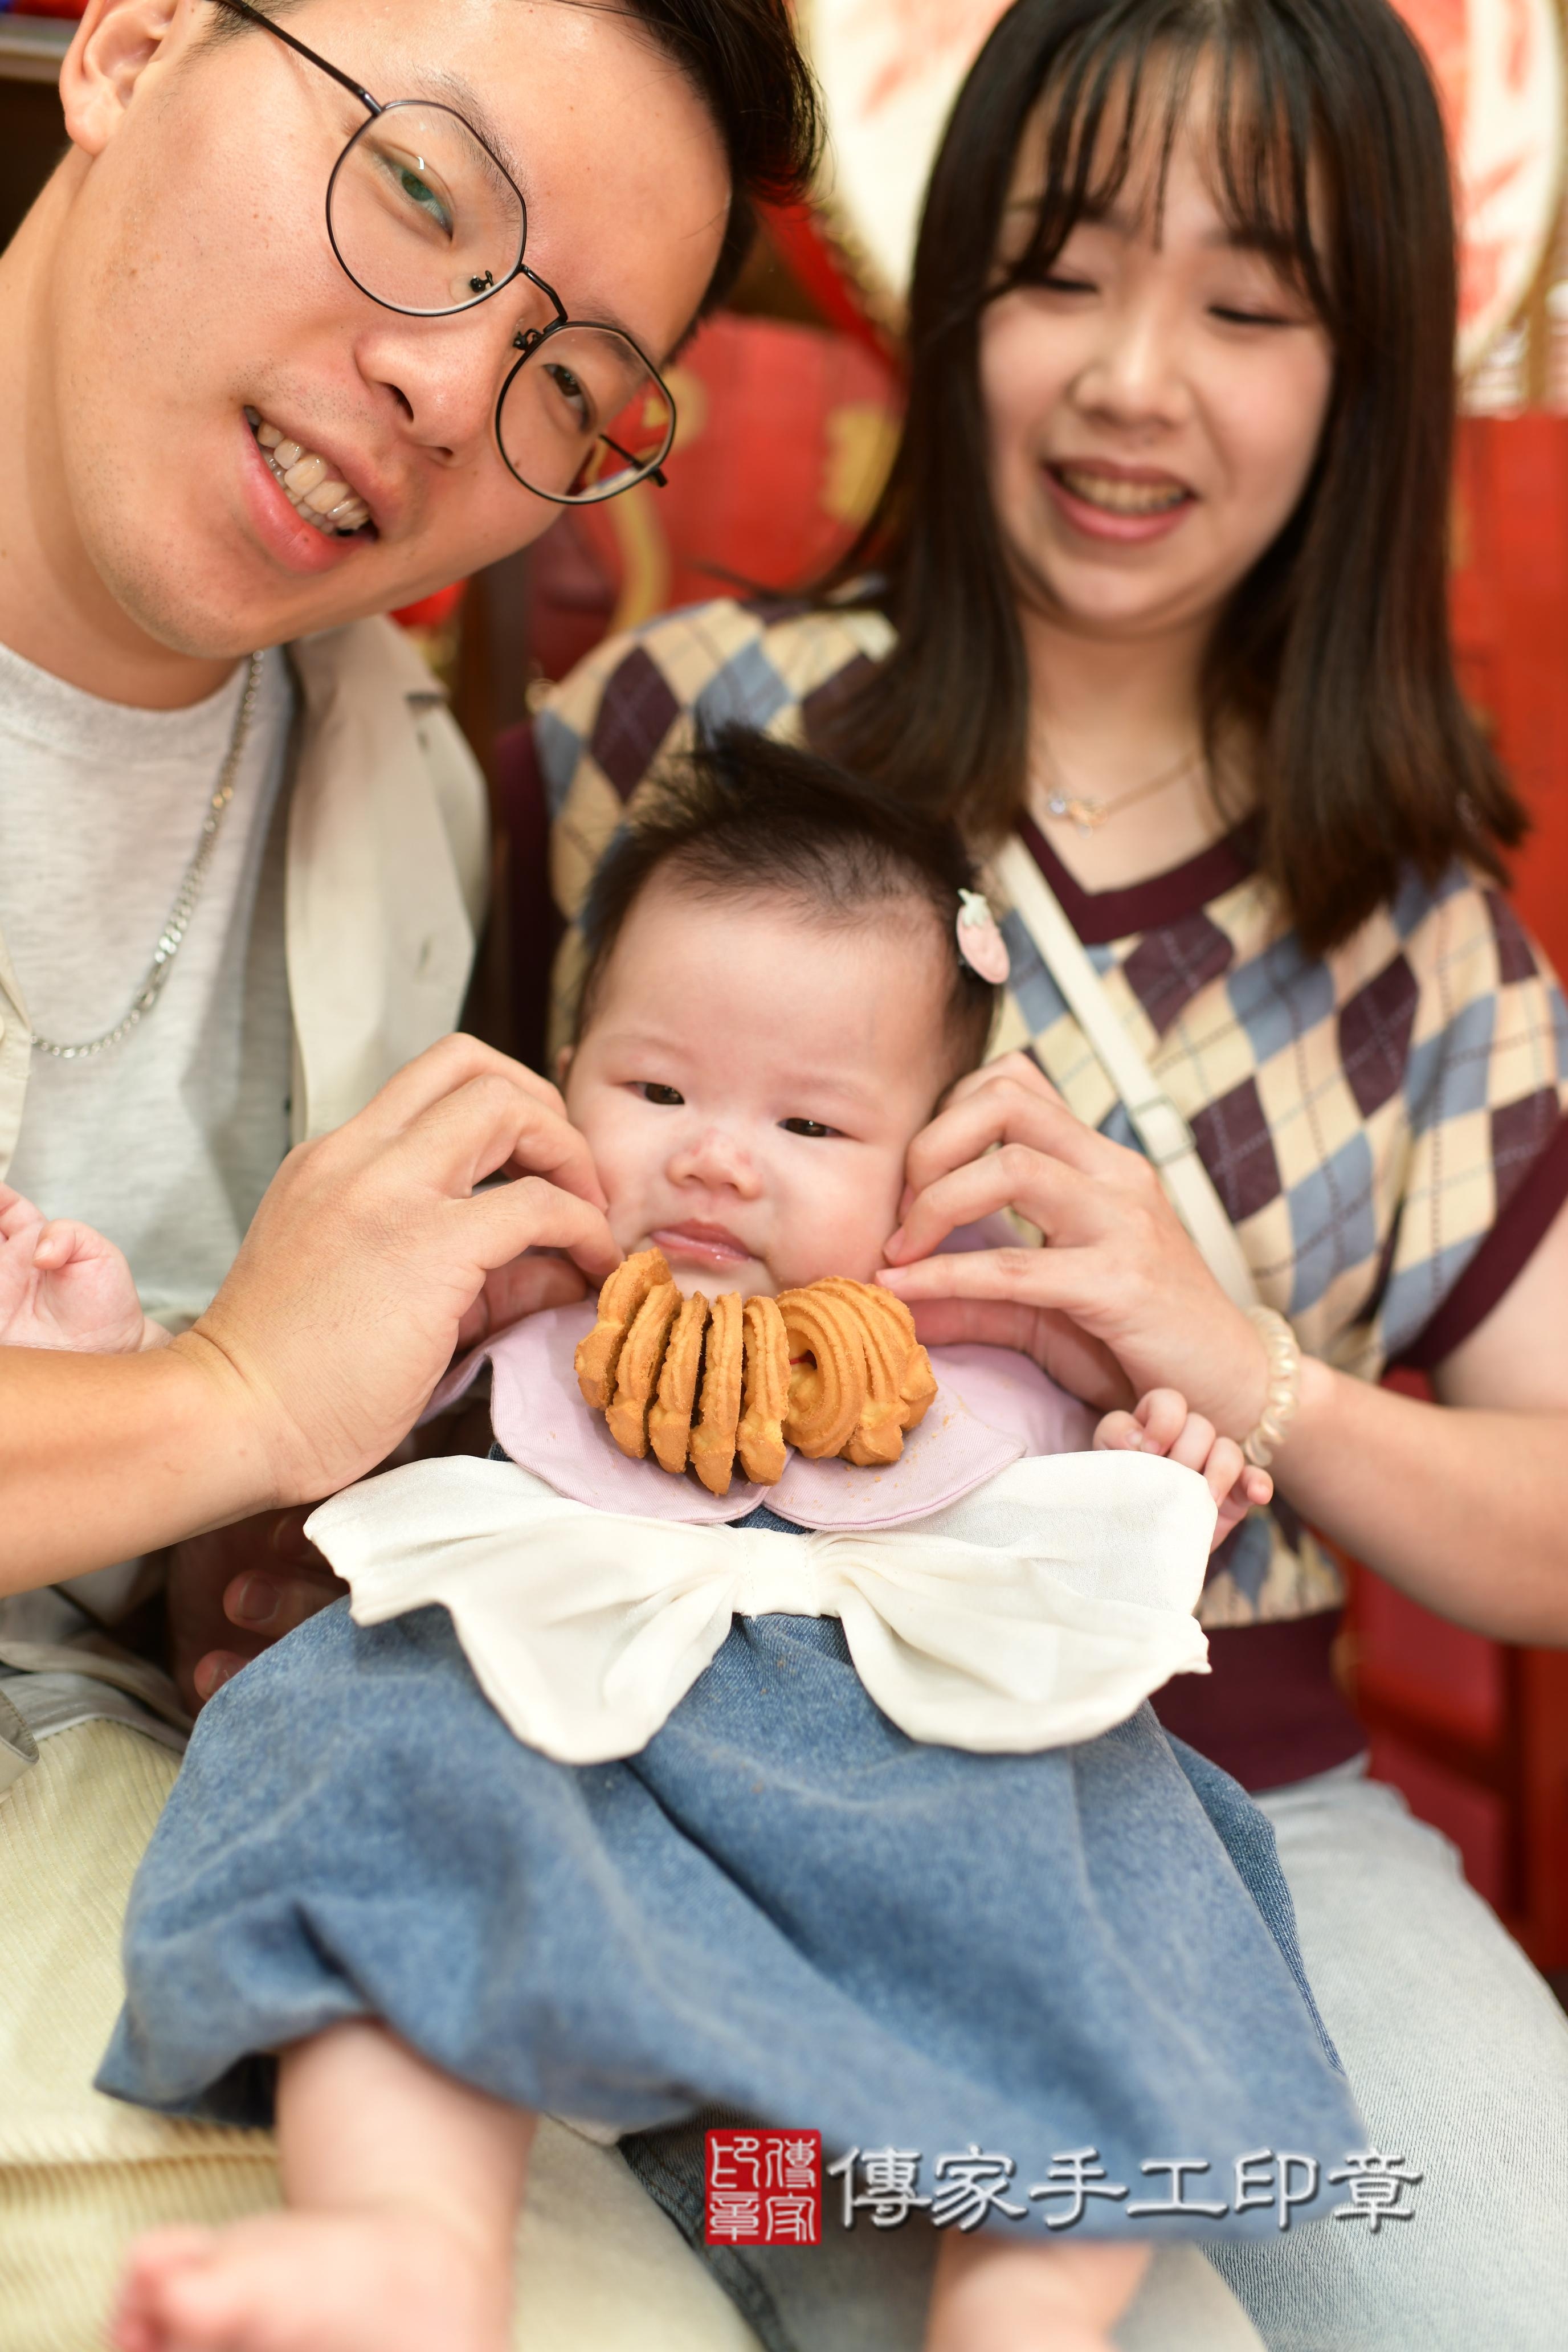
[{"x": 171, "y": 939}]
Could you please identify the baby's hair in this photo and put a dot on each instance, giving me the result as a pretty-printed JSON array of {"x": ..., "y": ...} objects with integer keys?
[{"x": 743, "y": 817}]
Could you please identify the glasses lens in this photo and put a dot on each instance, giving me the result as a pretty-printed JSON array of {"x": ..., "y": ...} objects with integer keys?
[
  {"x": 421, "y": 215},
  {"x": 584, "y": 417}
]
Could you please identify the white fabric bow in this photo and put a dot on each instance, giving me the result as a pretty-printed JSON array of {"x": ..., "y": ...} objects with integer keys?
[{"x": 1037, "y": 1611}]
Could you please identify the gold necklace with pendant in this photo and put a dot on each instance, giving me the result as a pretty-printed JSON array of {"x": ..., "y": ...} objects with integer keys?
[{"x": 1089, "y": 816}]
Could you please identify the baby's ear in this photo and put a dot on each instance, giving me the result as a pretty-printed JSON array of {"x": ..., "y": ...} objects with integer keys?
[{"x": 563, "y": 1063}]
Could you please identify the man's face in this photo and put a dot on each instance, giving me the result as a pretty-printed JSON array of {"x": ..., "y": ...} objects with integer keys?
[{"x": 195, "y": 290}]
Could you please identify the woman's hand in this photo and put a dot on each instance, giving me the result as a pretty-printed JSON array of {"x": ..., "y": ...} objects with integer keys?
[
  {"x": 1118, "y": 1301},
  {"x": 1160, "y": 1423}
]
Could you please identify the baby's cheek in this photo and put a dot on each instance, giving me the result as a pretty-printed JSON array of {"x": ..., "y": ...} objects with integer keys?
[
  {"x": 839, "y": 1223},
  {"x": 625, "y": 1221},
  {"x": 622, "y": 1168}
]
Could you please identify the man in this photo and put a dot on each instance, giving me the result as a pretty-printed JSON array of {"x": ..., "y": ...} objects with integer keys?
[{"x": 242, "y": 847}]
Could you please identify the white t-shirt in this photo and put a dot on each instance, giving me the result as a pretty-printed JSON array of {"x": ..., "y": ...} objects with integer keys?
[{"x": 167, "y": 1140}]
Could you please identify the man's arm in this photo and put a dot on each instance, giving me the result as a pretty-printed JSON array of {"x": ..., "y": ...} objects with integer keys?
[
  {"x": 105, "y": 1457},
  {"x": 357, "y": 1278}
]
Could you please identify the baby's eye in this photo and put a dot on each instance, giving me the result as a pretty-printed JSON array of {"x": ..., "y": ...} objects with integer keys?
[
  {"x": 805, "y": 1126},
  {"x": 652, "y": 1093}
]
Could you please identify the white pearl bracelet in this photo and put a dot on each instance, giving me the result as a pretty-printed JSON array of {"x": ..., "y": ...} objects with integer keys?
[{"x": 1284, "y": 1390}]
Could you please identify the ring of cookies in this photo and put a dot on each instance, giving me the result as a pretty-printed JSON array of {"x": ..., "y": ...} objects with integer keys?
[{"x": 834, "y": 1368}]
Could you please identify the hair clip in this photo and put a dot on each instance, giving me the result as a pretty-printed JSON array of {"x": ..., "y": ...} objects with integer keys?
[{"x": 980, "y": 941}]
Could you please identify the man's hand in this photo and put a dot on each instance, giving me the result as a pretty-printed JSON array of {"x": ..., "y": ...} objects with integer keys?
[
  {"x": 525, "y": 1287},
  {"x": 365, "y": 1267},
  {"x": 368, "y": 1260},
  {"x": 232, "y": 1594}
]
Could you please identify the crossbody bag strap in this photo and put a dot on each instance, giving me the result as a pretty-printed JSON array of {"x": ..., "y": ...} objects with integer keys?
[{"x": 1159, "y": 1126}]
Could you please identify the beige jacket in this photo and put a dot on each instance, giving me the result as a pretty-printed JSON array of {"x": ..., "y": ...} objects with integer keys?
[
  {"x": 386, "y": 879},
  {"x": 388, "y": 867}
]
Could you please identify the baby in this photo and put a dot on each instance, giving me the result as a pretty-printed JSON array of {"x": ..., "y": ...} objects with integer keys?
[
  {"x": 404, "y": 1898},
  {"x": 64, "y": 1286}
]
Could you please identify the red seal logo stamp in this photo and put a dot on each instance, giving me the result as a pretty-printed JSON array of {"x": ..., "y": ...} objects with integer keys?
[{"x": 763, "y": 2189}]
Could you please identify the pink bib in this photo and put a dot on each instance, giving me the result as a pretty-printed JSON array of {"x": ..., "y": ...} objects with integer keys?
[{"x": 992, "y": 1407}]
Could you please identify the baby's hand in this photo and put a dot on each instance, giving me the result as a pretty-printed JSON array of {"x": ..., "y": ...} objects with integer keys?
[
  {"x": 63, "y": 1286},
  {"x": 1161, "y": 1423}
]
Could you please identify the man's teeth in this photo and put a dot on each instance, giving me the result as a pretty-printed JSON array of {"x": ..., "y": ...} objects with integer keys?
[
  {"x": 309, "y": 483},
  {"x": 1118, "y": 497}
]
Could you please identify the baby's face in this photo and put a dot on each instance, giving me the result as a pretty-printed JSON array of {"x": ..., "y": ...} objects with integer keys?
[{"x": 750, "y": 1080}]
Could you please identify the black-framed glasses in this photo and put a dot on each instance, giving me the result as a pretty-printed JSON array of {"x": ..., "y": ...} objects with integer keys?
[{"x": 423, "y": 218}]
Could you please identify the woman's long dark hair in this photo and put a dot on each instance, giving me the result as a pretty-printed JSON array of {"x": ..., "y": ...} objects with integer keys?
[{"x": 1334, "y": 653}]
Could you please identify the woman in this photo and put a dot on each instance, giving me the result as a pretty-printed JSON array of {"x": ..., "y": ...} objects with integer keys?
[{"x": 1158, "y": 582}]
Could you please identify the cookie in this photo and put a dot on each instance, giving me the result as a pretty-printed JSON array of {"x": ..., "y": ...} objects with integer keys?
[
  {"x": 828, "y": 1380},
  {"x": 918, "y": 1386},
  {"x": 718, "y": 1407},
  {"x": 637, "y": 1368},
  {"x": 670, "y": 1418},
  {"x": 899, "y": 1369},
  {"x": 598, "y": 1352},
  {"x": 878, "y": 1437},
  {"x": 832, "y": 1368},
  {"x": 759, "y": 1441}
]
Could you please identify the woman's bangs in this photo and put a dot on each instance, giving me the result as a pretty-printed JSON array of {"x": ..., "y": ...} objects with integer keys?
[{"x": 1110, "y": 115}]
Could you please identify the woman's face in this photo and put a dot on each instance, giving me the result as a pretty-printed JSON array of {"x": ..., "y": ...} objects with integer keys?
[{"x": 1155, "y": 406}]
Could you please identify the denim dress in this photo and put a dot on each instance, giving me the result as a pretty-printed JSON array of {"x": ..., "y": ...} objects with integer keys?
[{"x": 782, "y": 1906}]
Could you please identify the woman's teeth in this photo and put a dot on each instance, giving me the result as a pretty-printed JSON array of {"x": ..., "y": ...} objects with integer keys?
[
  {"x": 1118, "y": 497},
  {"x": 313, "y": 490}
]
